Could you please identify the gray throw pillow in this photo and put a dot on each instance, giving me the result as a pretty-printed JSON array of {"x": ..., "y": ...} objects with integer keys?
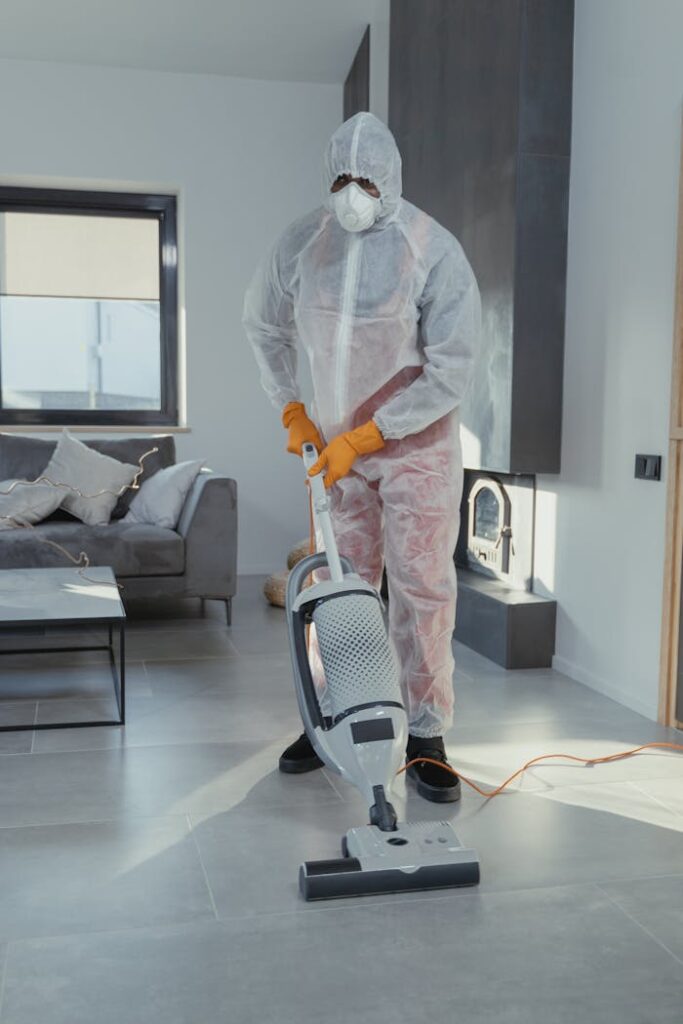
[
  {"x": 27, "y": 457},
  {"x": 91, "y": 482},
  {"x": 160, "y": 500},
  {"x": 24, "y": 504}
]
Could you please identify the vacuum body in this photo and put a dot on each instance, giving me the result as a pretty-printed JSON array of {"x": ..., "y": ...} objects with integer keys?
[{"x": 358, "y": 727}]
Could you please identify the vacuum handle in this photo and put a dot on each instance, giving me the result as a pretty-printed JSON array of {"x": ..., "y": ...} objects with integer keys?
[
  {"x": 321, "y": 513},
  {"x": 309, "y": 453}
]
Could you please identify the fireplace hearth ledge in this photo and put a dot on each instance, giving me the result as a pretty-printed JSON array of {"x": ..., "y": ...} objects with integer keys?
[{"x": 514, "y": 628}]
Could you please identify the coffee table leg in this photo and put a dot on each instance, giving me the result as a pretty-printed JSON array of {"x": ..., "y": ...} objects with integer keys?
[
  {"x": 122, "y": 671},
  {"x": 119, "y": 671}
]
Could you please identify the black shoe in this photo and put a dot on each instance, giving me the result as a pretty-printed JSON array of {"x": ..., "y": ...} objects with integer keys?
[
  {"x": 433, "y": 783},
  {"x": 299, "y": 757}
]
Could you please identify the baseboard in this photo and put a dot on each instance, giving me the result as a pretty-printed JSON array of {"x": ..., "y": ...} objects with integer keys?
[{"x": 582, "y": 675}]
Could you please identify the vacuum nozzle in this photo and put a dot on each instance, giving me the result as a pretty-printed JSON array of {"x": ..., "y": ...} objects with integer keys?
[
  {"x": 417, "y": 856},
  {"x": 345, "y": 876}
]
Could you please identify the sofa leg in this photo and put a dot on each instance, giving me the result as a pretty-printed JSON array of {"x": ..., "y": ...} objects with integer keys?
[{"x": 228, "y": 607}]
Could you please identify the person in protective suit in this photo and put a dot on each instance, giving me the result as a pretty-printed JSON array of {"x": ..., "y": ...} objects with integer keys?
[{"x": 384, "y": 303}]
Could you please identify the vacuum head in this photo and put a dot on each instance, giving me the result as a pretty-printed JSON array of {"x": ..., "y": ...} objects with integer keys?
[{"x": 418, "y": 856}]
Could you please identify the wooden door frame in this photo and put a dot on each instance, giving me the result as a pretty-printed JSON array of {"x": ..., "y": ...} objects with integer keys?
[{"x": 673, "y": 557}]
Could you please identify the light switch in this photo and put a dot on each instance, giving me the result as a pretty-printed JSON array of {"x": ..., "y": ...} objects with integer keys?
[{"x": 648, "y": 467}]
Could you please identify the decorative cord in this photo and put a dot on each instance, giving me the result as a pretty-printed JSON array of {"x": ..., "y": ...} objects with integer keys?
[{"x": 82, "y": 563}]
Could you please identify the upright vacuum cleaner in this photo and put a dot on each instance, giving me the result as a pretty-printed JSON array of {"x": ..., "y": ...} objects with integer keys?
[{"x": 362, "y": 732}]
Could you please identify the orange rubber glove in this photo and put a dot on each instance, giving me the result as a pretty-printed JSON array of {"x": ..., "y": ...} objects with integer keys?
[
  {"x": 301, "y": 429},
  {"x": 338, "y": 457}
]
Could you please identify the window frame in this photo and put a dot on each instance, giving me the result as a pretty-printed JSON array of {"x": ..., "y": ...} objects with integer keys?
[{"x": 160, "y": 207}]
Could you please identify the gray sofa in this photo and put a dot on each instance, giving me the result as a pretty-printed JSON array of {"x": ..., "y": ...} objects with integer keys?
[{"x": 197, "y": 559}]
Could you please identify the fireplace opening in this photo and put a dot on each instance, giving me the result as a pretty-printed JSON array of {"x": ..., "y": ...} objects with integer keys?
[
  {"x": 489, "y": 527},
  {"x": 497, "y": 527}
]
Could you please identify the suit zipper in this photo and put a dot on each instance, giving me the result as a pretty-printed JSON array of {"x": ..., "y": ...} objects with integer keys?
[{"x": 345, "y": 325}]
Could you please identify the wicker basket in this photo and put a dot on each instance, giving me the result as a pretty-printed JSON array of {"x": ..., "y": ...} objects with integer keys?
[
  {"x": 275, "y": 587},
  {"x": 298, "y": 552}
]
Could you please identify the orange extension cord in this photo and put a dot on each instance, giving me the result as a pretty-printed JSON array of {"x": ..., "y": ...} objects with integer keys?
[
  {"x": 590, "y": 761},
  {"x": 489, "y": 794}
]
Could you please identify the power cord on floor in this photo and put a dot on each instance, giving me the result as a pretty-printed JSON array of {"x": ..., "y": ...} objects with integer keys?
[{"x": 588, "y": 761}]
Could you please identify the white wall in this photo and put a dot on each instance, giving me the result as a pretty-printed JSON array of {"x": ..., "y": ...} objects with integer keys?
[
  {"x": 245, "y": 157},
  {"x": 601, "y": 546}
]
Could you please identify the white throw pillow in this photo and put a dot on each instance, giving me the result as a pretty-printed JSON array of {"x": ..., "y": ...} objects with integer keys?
[
  {"x": 24, "y": 504},
  {"x": 160, "y": 499},
  {"x": 93, "y": 481}
]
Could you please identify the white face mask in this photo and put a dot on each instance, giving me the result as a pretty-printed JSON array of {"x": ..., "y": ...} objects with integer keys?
[{"x": 354, "y": 208}]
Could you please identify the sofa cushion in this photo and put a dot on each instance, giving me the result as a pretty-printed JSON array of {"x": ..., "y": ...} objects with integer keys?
[
  {"x": 131, "y": 549},
  {"x": 90, "y": 482},
  {"x": 161, "y": 499},
  {"x": 130, "y": 449},
  {"x": 26, "y": 504},
  {"x": 24, "y": 457}
]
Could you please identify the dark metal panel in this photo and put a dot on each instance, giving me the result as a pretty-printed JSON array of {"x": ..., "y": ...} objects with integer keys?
[
  {"x": 357, "y": 84},
  {"x": 545, "y": 121},
  {"x": 453, "y": 94},
  {"x": 474, "y": 86},
  {"x": 541, "y": 270}
]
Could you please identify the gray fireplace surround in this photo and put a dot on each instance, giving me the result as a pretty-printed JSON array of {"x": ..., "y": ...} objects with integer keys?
[{"x": 480, "y": 102}]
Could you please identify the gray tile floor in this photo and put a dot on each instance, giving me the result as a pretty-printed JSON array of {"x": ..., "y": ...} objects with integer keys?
[{"x": 149, "y": 874}]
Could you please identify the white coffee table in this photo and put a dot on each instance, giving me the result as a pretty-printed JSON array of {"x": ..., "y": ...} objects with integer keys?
[{"x": 66, "y": 598}]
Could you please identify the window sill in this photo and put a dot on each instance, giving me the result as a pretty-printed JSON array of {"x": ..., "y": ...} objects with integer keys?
[{"x": 85, "y": 428}]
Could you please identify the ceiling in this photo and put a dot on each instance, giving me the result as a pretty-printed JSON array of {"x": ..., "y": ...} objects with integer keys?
[{"x": 286, "y": 40}]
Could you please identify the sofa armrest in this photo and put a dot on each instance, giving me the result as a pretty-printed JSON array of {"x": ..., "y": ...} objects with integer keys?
[{"x": 208, "y": 524}]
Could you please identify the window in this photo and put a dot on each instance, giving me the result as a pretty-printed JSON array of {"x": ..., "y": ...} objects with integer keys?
[{"x": 88, "y": 308}]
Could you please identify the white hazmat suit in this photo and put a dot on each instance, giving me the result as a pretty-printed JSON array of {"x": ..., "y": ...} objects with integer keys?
[{"x": 389, "y": 318}]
